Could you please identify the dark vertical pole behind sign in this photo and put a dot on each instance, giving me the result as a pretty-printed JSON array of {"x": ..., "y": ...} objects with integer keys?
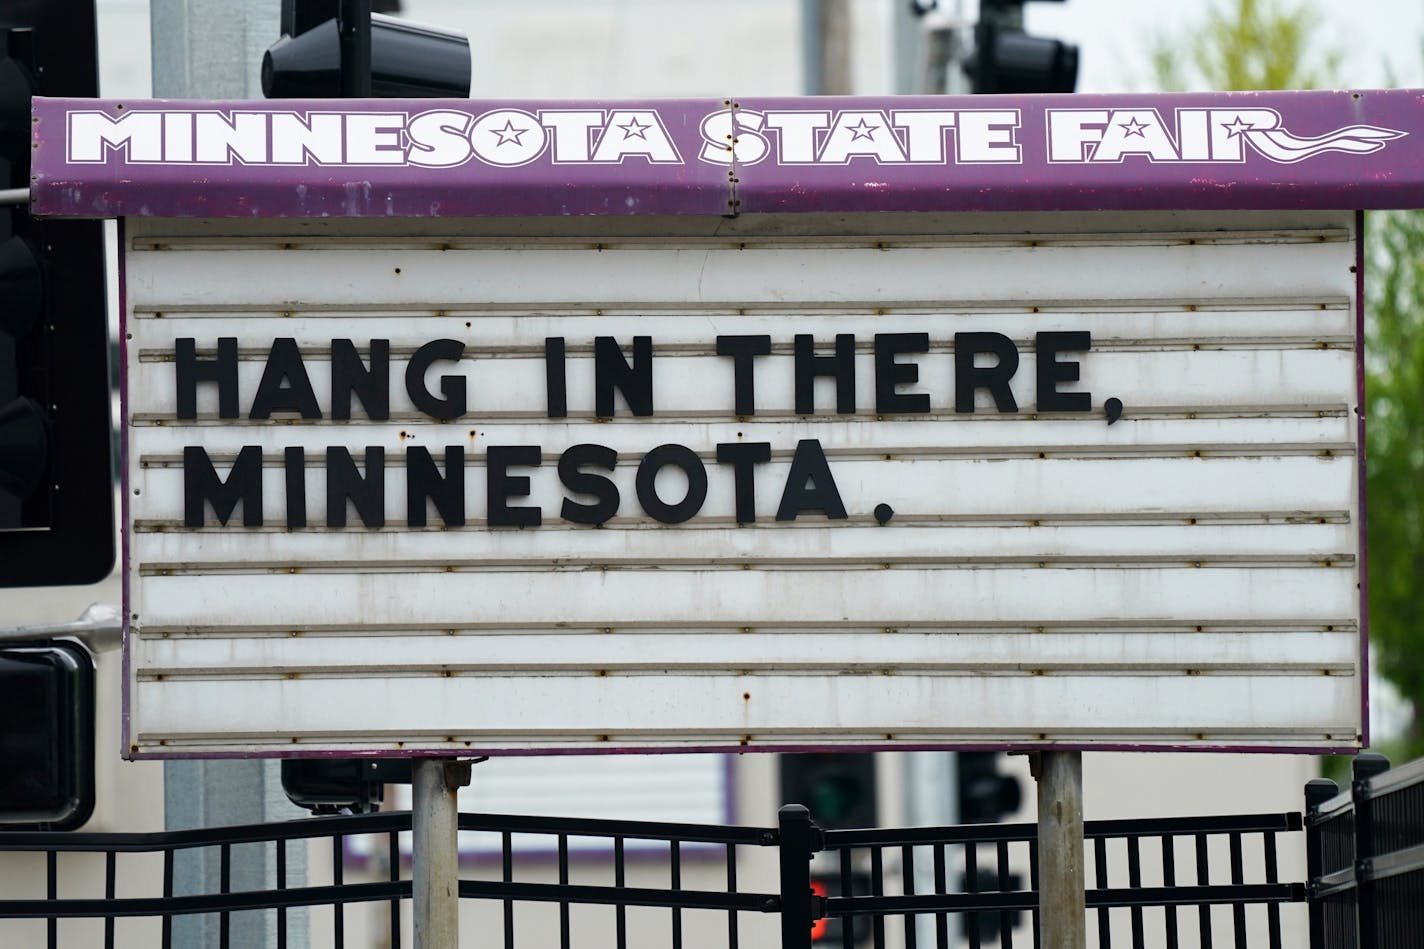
[
  {"x": 354, "y": 26},
  {"x": 57, "y": 508}
]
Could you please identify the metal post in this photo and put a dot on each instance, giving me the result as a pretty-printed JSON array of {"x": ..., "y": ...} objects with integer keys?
[
  {"x": 354, "y": 31},
  {"x": 908, "y": 36},
  {"x": 211, "y": 49},
  {"x": 797, "y": 848},
  {"x": 1062, "y": 909},
  {"x": 826, "y": 45},
  {"x": 835, "y": 44},
  {"x": 435, "y": 870},
  {"x": 943, "y": 45},
  {"x": 1317, "y": 792},
  {"x": 811, "y": 52},
  {"x": 1363, "y": 768}
]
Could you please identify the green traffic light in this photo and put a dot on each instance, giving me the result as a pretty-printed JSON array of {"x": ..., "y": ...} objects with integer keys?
[
  {"x": 837, "y": 788},
  {"x": 835, "y": 797}
]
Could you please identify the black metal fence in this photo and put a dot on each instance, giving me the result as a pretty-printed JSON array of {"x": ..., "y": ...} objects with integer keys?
[
  {"x": 276, "y": 839},
  {"x": 978, "y": 883},
  {"x": 1365, "y": 857},
  {"x": 946, "y": 886}
]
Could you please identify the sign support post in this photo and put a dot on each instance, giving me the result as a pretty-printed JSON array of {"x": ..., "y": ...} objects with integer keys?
[
  {"x": 1062, "y": 916},
  {"x": 435, "y": 872}
]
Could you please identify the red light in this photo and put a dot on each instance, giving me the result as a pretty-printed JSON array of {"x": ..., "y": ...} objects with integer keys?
[{"x": 818, "y": 928}]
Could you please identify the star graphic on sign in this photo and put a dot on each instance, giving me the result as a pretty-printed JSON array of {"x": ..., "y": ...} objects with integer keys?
[
  {"x": 509, "y": 133},
  {"x": 634, "y": 130},
  {"x": 1236, "y": 127},
  {"x": 1134, "y": 127},
  {"x": 863, "y": 130}
]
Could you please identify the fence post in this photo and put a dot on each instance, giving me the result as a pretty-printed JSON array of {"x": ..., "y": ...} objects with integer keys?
[
  {"x": 798, "y": 845},
  {"x": 1364, "y": 767},
  {"x": 1317, "y": 792}
]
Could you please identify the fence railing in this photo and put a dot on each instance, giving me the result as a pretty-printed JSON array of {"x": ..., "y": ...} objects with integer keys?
[
  {"x": 1365, "y": 857},
  {"x": 973, "y": 883},
  {"x": 1185, "y": 880},
  {"x": 166, "y": 905}
]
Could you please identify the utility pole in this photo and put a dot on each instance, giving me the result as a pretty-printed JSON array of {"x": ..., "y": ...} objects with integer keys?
[
  {"x": 826, "y": 47},
  {"x": 212, "y": 49}
]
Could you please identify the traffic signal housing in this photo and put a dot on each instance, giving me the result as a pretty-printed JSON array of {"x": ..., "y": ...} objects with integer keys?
[
  {"x": 47, "y": 738},
  {"x": 56, "y": 429},
  {"x": 985, "y": 796},
  {"x": 1007, "y": 60},
  {"x": 837, "y": 788},
  {"x": 404, "y": 60},
  {"x": 330, "y": 785}
]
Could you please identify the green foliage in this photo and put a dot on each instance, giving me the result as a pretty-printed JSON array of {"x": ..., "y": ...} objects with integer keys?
[
  {"x": 1394, "y": 450},
  {"x": 1256, "y": 44}
]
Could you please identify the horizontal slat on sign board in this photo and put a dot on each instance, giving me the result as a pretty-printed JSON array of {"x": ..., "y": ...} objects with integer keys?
[
  {"x": 508, "y": 711},
  {"x": 432, "y": 279},
  {"x": 674, "y": 597},
  {"x": 767, "y": 540},
  {"x": 1310, "y": 482},
  {"x": 861, "y": 653},
  {"x": 1113, "y": 326},
  {"x": 661, "y": 229},
  {"x": 712, "y": 564},
  {"x": 704, "y": 384},
  {"x": 985, "y": 435},
  {"x": 831, "y": 629},
  {"x": 620, "y": 235}
]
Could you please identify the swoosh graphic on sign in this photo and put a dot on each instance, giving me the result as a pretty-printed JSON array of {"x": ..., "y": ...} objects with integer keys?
[{"x": 1281, "y": 146}]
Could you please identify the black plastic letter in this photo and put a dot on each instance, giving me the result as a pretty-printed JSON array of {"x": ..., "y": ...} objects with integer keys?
[
  {"x": 501, "y": 485},
  {"x": 453, "y": 404},
  {"x": 968, "y": 377},
  {"x": 611, "y": 371},
  {"x": 343, "y": 481},
  {"x": 190, "y": 370},
  {"x": 840, "y": 366},
  {"x": 350, "y": 375},
  {"x": 423, "y": 480},
  {"x": 555, "y": 381},
  {"x": 653, "y": 462},
  {"x": 809, "y": 485},
  {"x": 744, "y": 457},
  {"x": 571, "y": 462},
  {"x": 294, "y": 461},
  {"x": 744, "y": 350},
  {"x": 284, "y": 365},
  {"x": 201, "y": 485},
  {"x": 889, "y": 373},
  {"x": 1050, "y": 371}
]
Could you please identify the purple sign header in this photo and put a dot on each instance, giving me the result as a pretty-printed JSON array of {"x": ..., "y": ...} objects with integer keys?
[{"x": 464, "y": 158}]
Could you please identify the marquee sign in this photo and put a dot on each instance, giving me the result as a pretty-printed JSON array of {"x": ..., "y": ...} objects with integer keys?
[{"x": 403, "y": 477}]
